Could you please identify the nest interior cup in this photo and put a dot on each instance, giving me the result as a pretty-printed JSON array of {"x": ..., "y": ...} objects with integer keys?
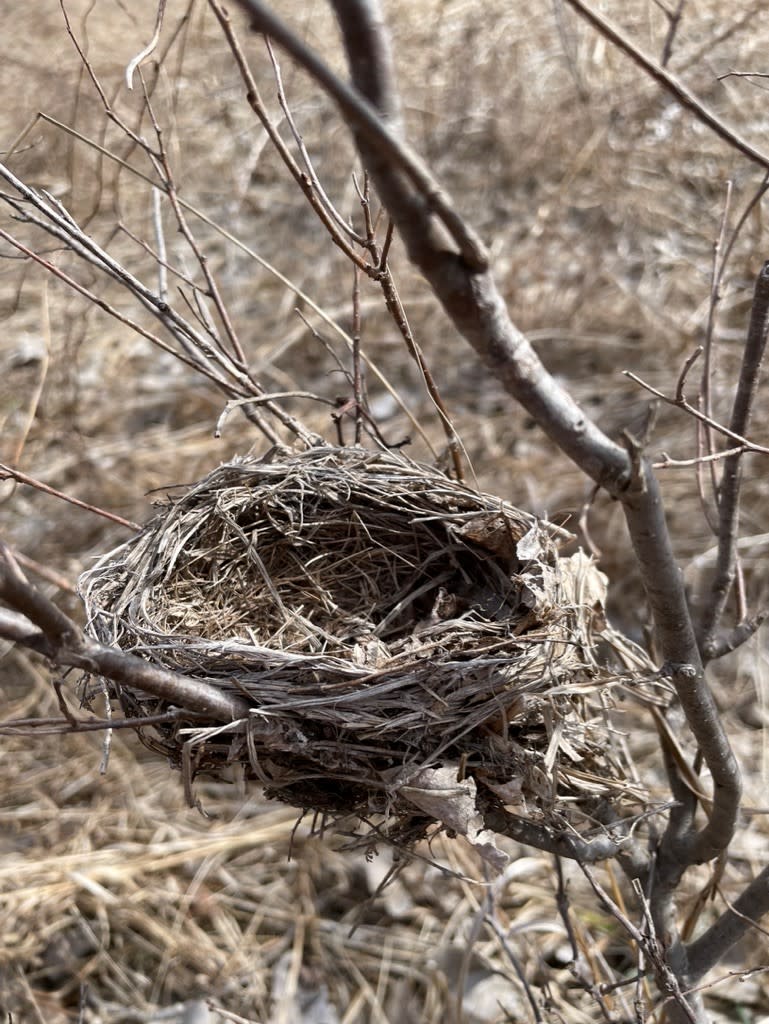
[{"x": 382, "y": 621}]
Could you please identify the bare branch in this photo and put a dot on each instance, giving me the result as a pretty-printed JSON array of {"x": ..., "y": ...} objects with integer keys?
[
  {"x": 149, "y": 49},
  {"x": 666, "y": 462},
  {"x": 729, "y": 490},
  {"x": 228, "y": 372},
  {"x": 745, "y": 445},
  {"x": 307, "y": 182},
  {"x": 239, "y": 244},
  {"x": 362, "y": 113},
  {"x": 670, "y": 83},
  {"x": 563, "y": 844},
  {"x": 674, "y": 20},
  {"x": 470, "y": 296},
  {"x": 8, "y": 472},
  {"x": 736, "y": 637},
  {"x": 734, "y": 923},
  {"x": 668, "y": 975},
  {"x": 38, "y": 624}
]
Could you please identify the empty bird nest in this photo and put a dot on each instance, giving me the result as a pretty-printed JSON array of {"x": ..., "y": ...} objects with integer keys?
[{"x": 412, "y": 651}]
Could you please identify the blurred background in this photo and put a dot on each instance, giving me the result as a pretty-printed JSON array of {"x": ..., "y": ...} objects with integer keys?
[{"x": 602, "y": 201}]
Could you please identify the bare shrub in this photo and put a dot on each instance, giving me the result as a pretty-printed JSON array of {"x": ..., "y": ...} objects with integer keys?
[{"x": 175, "y": 297}]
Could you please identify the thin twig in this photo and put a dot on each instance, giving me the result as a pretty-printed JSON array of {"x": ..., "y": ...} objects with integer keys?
[
  {"x": 9, "y": 473},
  {"x": 214, "y": 294},
  {"x": 670, "y": 83},
  {"x": 149, "y": 49},
  {"x": 649, "y": 943},
  {"x": 743, "y": 443},
  {"x": 315, "y": 182},
  {"x": 262, "y": 262},
  {"x": 305, "y": 182},
  {"x": 674, "y": 19},
  {"x": 704, "y": 433},
  {"x": 368, "y": 122},
  {"x": 666, "y": 462},
  {"x": 357, "y": 376}
]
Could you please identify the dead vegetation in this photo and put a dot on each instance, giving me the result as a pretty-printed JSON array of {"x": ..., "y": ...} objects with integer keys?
[
  {"x": 405, "y": 641},
  {"x": 602, "y": 201}
]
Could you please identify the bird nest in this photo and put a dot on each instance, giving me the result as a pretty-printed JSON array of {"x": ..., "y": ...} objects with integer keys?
[{"x": 411, "y": 650}]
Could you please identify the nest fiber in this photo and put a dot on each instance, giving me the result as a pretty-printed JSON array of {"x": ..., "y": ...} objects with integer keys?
[{"x": 390, "y": 628}]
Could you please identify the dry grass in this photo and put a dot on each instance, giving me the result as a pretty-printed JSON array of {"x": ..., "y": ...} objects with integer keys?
[
  {"x": 391, "y": 627},
  {"x": 601, "y": 201}
]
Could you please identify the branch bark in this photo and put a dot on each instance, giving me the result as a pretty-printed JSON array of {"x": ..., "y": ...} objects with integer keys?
[
  {"x": 468, "y": 293},
  {"x": 731, "y": 479},
  {"x": 37, "y": 623},
  {"x": 706, "y": 951},
  {"x": 447, "y": 254}
]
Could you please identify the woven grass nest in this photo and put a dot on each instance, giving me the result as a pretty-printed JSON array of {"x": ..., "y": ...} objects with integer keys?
[{"x": 413, "y": 650}]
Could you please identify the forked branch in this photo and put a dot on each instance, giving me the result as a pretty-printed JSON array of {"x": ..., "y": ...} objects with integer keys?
[
  {"x": 447, "y": 254},
  {"x": 468, "y": 293}
]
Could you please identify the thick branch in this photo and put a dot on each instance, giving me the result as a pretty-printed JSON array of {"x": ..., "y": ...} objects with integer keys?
[
  {"x": 706, "y": 951},
  {"x": 38, "y": 624},
  {"x": 664, "y": 588},
  {"x": 562, "y": 844},
  {"x": 470, "y": 296}
]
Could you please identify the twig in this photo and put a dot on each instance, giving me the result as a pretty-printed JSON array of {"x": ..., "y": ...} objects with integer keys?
[
  {"x": 398, "y": 313},
  {"x": 576, "y": 970},
  {"x": 45, "y": 572},
  {"x": 253, "y": 255},
  {"x": 744, "y": 444},
  {"x": 367, "y": 121},
  {"x": 191, "y": 359},
  {"x": 164, "y": 167},
  {"x": 149, "y": 49},
  {"x": 37, "y": 391},
  {"x": 704, "y": 432},
  {"x": 357, "y": 376},
  {"x": 71, "y": 724},
  {"x": 560, "y": 844},
  {"x": 666, "y": 462},
  {"x": 305, "y": 181},
  {"x": 315, "y": 182},
  {"x": 491, "y": 920},
  {"x": 8, "y": 473},
  {"x": 649, "y": 943},
  {"x": 229, "y": 373},
  {"x": 670, "y": 83},
  {"x": 742, "y": 74},
  {"x": 736, "y": 637},
  {"x": 161, "y": 257},
  {"x": 674, "y": 19}
]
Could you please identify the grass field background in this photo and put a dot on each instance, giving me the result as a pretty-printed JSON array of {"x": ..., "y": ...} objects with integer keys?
[{"x": 601, "y": 200}]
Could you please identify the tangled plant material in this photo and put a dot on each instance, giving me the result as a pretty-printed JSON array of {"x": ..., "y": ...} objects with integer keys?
[{"x": 414, "y": 651}]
